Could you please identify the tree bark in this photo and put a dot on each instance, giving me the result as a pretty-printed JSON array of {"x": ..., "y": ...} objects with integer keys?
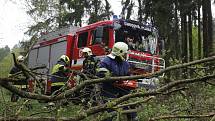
[
  {"x": 205, "y": 36},
  {"x": 177, "y": 43},
  {"x": 199, "y": 31},
  {"x": 140, "y": 11},
  {"x": 210, "y": 28},
  {"x": 190, "y": 36},
  {"x": 184, "y": 38}
]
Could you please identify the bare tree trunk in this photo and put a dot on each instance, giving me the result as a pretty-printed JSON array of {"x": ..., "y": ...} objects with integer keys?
[
  {"x": 207, "y": 30},
  {"x": 125, "y": 6},
  {"x": 184, "y": 38},
  {"x": 184, "y": 52},
  {"x": 199, "y": 31},
  {"x": 205, "y": 37},
  {"x": 129, "y": 10},
  {"x": 177, "y": 43},
  {"x": 140, "y": 11},
  {"x": 96, "y": 3},
  {"x": 190, "y": 36},
  {"x": 210, "y": 28},
  {"x": 107, "y": 9}
]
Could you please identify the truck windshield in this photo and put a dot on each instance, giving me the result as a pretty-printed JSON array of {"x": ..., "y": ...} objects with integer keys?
[{"x": 138, "y": 39}]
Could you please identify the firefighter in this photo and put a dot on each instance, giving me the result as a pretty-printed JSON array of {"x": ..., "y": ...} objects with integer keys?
[
  {"x": 14, "y": 70},
  {"x": 59, "y": 73},
  {"x": 90, "y": 65},
  {"x": 90, "y": 62},
  {"x": 130, "y": 41},
  {"x": 115, "y": 65}
]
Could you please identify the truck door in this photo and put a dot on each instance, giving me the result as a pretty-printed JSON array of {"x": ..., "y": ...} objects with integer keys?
[
  {"x": 80, "y": 41},
  {"x": 100, "y": 42}
]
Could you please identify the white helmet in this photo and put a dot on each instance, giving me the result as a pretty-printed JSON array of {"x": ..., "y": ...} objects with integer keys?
[
  {"x": 20, "y": 58},
  {"x": 65, "y": 59},
  {"x": 119, "y": 49},
  {"x": 87, "y": 50}
]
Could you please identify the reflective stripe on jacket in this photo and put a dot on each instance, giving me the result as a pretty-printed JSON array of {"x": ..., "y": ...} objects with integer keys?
[
  {"x": 58, "y": 84},
  {"x": 59, "y": 73}
]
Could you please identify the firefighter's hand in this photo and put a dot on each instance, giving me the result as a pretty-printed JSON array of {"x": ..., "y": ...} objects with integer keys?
[{"x": 103, "y": 72}]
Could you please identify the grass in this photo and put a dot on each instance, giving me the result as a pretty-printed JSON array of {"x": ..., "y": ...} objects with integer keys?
[
  {"x": 33, "y": 108},
  {"x": 5, "y": 66}
]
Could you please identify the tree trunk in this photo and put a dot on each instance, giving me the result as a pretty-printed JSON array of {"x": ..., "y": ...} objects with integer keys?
[
  {"x": 107, "y": 9},
  {"x": 177, "y": 43},
  {"x": 184, "y": 38},
  {"x": 190, "y": 36},
  {"x": 125, "y": 6},
  {"x": 140, "y": 11},
  {"x": 210, "y": 28},
  {"x": 207, "y": 28},
  {"x": 129, "y": 10},
  {"x": 199, "y": 31}
]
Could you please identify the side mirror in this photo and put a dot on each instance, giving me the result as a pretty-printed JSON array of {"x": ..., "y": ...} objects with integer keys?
[{"x": 116, "y": 26}]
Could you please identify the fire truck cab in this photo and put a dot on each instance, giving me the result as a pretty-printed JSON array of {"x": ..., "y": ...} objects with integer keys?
[{"x": 144, "y": 45}]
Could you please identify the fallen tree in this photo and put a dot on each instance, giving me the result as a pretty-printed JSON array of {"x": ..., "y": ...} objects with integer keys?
[{"x": 115, "y": 104}]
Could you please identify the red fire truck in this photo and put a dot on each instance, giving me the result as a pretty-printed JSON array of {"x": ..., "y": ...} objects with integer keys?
[{"x": 100, "y": 37}]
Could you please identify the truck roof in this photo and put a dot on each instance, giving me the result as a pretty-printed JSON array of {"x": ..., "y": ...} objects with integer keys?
[
  {"x": 70, "y": 30},
  {"x": 94, "y": 25},
  {"x": 67, "y": 30}
]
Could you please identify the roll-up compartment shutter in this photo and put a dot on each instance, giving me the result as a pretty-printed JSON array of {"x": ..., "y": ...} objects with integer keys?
[
  {"x": 57, "y": 50},
  {"x": 32, "y": 59},
  {"x": 43, "y": 58}
]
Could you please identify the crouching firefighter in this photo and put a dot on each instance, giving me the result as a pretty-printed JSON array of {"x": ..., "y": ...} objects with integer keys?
[
  {"x": 115, "y": 65},
  {"x": 60, "y": 74}
]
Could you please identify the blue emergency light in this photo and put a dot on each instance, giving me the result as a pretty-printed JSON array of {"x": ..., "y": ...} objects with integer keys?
[{"x": 115, "y": 17}]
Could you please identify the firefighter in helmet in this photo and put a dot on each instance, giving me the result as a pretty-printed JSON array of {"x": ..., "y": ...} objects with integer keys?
[
  {"x": 131, "y": 43},
  {"x": 90, "y": 62},
  {"x": 90, "y": 65},
  {"x": 59, "y": 73},
  {"x": 14, "y": 70},
  {"x": 115, "y": 65}
]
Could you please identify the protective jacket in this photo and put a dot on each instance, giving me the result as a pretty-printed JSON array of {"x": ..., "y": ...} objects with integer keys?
[
  {"x": 90, "y": 65},
  {"x": 59, "y": 74},
  {"x": 116, "y": 69},
  {"x": 21, "y": 83},
  {"x": 14, "y": 70}
]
